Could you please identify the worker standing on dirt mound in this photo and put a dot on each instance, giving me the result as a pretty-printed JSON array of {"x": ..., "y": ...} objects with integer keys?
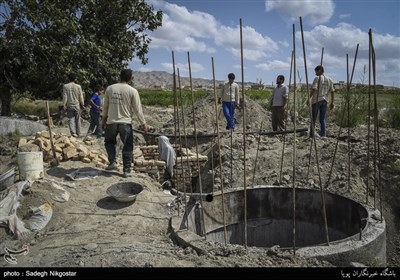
[
  {"x": 230, "y": 100},
  {"x": 121, "y": 102},
  {"x": 279, "y": 100},
  {"x": 321, "y": 87},
  {"x": 73, "y": 104}
]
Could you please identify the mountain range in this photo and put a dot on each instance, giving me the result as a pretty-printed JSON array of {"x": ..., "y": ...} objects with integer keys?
[{"x": 165, "y": 80}]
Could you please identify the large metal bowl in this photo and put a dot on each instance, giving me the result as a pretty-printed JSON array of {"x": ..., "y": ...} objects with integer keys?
[{"x": 125, "y": 191}]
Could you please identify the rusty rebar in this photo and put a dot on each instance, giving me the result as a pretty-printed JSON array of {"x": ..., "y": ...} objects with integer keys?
[
  {"x": 219, "y": 152},
  {"x": 244, "y": 137},
  {"x": 294, "y": 145},
  {"x": 195, "y": 133}
]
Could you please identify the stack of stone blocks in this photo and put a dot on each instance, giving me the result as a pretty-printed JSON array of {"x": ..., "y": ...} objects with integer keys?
[{"x": 147, "y": 159}]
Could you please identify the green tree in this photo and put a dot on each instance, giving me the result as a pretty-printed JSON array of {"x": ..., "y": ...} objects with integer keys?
[{"x": 43, "y": 40}]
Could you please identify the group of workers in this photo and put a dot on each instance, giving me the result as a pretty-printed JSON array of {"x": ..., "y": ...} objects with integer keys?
[{"x": 112, "y": 115}]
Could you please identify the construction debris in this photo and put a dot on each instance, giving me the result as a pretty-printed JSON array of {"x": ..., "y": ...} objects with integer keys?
[
  {"x": 145, "y": 158},
  {"x": 66, "y": 147}
]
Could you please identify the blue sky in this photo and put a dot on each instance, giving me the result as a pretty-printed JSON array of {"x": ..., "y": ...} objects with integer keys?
[{"x": 211, "y": 29}]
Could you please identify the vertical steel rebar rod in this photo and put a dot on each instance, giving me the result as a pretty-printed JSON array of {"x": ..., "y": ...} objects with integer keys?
[
  {"x": 180, "y": 139},
  {"x": 244, "y": 137},
  {"x": 348, "y": 119},
  {"x": 175, "y": 99},
  {"x": 195, "y": 133},
  {"x": 340, "y": 128},
  {"x": 284, "y": 135},
  {"x": 176, "y": 117},
  {"x": 219, "y": 152},
  {"x": 312, "y": 128},
  {"x": 348, "y": 124},
  {"x": 378, "y": 179},
  {"x": 375, "y": 117},
  {"x": 313, "y": 141},
  {"x": 212, "y": 144},
  {"x": 294, "y": 156},
  {"x": 231, "y": 133},
  {"x": 369, "y": 115},
  {"x": 258, "y": 146}
]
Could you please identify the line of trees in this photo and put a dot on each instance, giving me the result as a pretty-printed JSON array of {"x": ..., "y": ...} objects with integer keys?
[{"x": 41, "y": 41}]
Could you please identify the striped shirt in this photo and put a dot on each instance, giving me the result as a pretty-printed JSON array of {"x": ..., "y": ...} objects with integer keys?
[
  {"x": 230, "y": 93},
  {"x": 325, "y": 86}
]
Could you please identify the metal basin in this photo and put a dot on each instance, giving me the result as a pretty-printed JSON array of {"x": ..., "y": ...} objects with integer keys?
[{"x": 125, "y": 191}]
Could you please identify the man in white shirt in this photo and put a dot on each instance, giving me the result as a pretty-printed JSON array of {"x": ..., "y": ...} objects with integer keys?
[
  {"x": 230, "y": 100},
  {"x": 279, "y": 100},
  {"x": 321, "y": 87},
  {"x": 121, "y": 102},
  {"x": 73, "y": 103}
]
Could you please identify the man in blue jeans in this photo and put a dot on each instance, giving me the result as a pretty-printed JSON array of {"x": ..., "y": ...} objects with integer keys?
[
  {"x": 230, "y": 100},
  {"x": 321, "y": 87}
]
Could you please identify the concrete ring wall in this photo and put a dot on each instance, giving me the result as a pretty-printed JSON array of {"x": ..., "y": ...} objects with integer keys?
[{"x": 356, "y": 232}]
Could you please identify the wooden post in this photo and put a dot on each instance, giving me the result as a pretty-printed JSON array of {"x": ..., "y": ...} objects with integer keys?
[{"x": 54, "y": 162}]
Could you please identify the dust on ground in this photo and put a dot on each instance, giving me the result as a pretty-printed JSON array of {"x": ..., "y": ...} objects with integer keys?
[{"x": 91, "y": 229}]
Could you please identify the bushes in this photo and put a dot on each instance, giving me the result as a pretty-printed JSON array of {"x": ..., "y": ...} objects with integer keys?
[
  {"x": 352, "y": 108},
  {"x": 262, "y": 97},
  {"x": 394, "y": 115},
  {"x": 27, "y": 107},
  {"x": 166, "y": 97}
]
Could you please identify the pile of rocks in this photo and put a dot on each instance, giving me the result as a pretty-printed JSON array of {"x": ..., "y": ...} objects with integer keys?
[{"x": 65, "y": 147}]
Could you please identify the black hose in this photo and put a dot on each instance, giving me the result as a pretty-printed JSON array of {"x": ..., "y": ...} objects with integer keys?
[{"x": 269, "y": 133}]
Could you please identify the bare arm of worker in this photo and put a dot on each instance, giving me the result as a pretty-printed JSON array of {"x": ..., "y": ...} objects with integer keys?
[
  {"x": 64, "y": 98},
  {"x": 94, "y": 104},
  {"x": 220, "y": 93},
  {"x": 104, "y": 121},
  {"x": 145, "y": 127},
  {"x": 237, "y": 97},
  {"x": 312, "y": 91},
  {"x": 285, "y": 102},
  {"x": 332, "y": 103}
]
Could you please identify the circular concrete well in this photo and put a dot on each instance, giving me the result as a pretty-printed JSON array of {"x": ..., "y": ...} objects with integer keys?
[{"x": 356, "y": 232}]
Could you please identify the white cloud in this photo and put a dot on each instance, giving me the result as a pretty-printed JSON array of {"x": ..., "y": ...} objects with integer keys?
[
  {"x": 284, "y": 43},
  {"x": 172, "y": 36},
  {"x": 344, "y": 16},
  {"x": 183, "y": 68},
  {"x": 311, "y": 11},
  {"x": 184, "y": 30},
  {"x": 342, "y": 40},
  {"x": 255, "y": 45},
  {"x": 273, "y": 65},
  {"x": 144, "y": 69}
]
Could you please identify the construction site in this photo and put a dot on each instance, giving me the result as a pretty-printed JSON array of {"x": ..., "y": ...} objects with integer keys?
[
  {"x": 210, "y": 218},
  {"x": 241, "y": 195}
]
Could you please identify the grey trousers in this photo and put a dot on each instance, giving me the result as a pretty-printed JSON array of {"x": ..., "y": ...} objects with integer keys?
[
  {"x": 74, "y": 121},
  {"x": 278, "y": 118}
]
